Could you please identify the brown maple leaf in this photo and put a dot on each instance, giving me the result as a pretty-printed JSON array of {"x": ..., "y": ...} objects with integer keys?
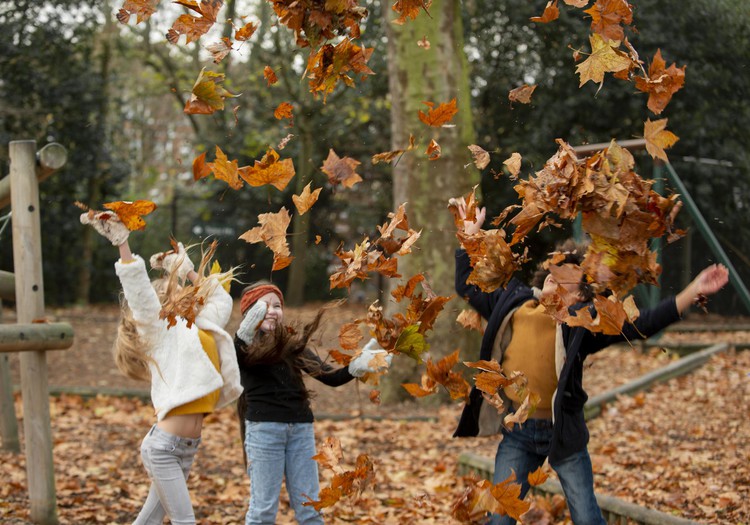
[
  {"x": 207, "y": 95},
  {"x": 245, "y": 32},
  {"x": 433, "y": 150},
  {"x": 341, "y": 170},
  {"x": 223, "y": 169},
  {"x": 191, "y": 26},
  {"x": 513, "y": 163},
  {"x": 131, "y": 213},
  {"x": 658, "y": 138},
  {"x": 471, "y": 320},
  {"x": 409, "y": 9},
  {"x": 389, "y": 156},
  {"x": 331, "y": 64},
  {"x": 551, "y": 12},
  {"x": 142, "y": 9},
  {"x": 480, "y": 156},
  {"x": 605, "y": 57},
  {"x": 269, "y": 170},
  {"x": 522, "y": 94},
  {"x": 661, "y": 83},
  {"x": 284, "y": 111},
  {"x": 272, "y": 232},
  {"x": 438, "y": 116},
  {"x": 350, "y": 336},
  {"x": 270, "y": 75},
  {"x": 305, "y": 200},
  {"x": 607, "y": 17},
  {"x": 220, "y": 49}
]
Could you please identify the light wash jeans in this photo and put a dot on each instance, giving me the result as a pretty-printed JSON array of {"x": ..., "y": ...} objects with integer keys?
[
  {"x": 277, "y": 451},
  {"x": 167, "y": 459},
  {"x": 524, "y": 450}
]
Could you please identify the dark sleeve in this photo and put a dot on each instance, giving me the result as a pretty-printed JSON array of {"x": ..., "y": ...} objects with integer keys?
[
  {"x": 323, "y": 372},
  {"x": 650, "y": 321},
  {"x": 481, "y": 301}
]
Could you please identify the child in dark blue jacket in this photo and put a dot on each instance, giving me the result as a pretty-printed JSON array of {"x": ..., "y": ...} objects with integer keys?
[{"x": 521, "y": 336}]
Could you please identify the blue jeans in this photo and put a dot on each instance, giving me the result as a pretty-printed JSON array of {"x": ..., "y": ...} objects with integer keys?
[
  {"x": 167, "y": 459},
  {"x": 278, "y": 451},
  {"x": 524, "y": 450}
]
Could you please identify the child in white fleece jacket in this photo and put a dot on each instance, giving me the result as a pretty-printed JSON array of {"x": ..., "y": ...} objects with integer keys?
[{"x": 192, "y": 366}]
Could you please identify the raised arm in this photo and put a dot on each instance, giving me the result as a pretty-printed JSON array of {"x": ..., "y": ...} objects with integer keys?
[{"x": 708, "y": 282}]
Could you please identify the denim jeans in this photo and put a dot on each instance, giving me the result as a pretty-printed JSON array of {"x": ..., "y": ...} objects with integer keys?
[
  {"x": 167, "y": 459},
  {"x": 523, "y": 450},
  {"x": 278, "y": 451}
]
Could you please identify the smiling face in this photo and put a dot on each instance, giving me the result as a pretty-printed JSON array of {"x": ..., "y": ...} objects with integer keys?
[{"x": 274, "y": 314}]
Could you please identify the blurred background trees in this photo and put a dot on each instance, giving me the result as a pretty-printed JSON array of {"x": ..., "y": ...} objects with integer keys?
[{"x": 113, "y": 96}]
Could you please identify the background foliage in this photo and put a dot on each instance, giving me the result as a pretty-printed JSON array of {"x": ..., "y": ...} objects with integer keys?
[{"x": 113, "y": 96}]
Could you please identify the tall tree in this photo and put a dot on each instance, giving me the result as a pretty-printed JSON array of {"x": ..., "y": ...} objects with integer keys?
[{"x": 435, "y": 73}]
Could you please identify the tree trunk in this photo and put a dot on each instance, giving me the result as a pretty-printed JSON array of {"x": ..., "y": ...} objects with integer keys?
[
  {"x": 418, "y": 75},
  {"x": 295, "y": 290}
]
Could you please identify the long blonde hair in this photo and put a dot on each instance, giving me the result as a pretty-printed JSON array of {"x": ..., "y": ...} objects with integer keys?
[{"x": 131, "y": 352}]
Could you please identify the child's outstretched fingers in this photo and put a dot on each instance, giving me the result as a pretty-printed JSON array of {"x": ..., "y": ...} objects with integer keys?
[{"x": 713, "y": 279}]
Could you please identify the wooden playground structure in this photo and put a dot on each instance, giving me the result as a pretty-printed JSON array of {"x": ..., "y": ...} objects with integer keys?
[{"x": 31, "y": 335}]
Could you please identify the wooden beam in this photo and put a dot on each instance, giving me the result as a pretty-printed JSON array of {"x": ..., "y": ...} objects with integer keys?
[
  {"x": 27, "y": 259},
  {"x": 35, "y": 336},
  {"x": 7, "y": 286},
  {"x": 49, "y": 159}
]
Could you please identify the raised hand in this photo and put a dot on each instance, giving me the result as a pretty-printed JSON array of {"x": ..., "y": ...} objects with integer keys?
[
  {"x": 252, "y": 321},
  {"x": 108, "y": 225},
  {"x": 711, "y": 279},
  {"x": 172, "y": 262},
  {"x": 372, "y": 359}
]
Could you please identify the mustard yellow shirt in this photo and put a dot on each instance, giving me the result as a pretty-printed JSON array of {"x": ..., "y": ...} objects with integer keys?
[
  {"x": 532, "y": 351},
  {"x": 207, "y": 403}
]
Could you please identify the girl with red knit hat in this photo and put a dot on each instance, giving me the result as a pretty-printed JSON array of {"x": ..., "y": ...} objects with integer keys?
[{"x": 276, "y": 421}]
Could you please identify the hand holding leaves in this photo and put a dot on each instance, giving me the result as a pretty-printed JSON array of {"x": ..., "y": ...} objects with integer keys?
[{"x": 108, "y": 225}]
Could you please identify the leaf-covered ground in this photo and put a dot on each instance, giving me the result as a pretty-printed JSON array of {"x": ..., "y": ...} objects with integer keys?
[{"x": 680, "y": 448}]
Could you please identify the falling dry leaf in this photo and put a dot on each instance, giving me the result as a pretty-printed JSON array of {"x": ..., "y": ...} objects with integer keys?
[
  {"x": 661, "y": 83},
  {"x": 409, "y": 9},
  {"x": 551, "y": 12},
  {"x": 341, "y": 170},
  {"x": 522, "y": 94},
  {"x": 142, "y": 9},
  {"x": 245, "y": 32},
  {"x": 131, "y": 213},
  {"x": 604, "y": 57},
  {"x": 438, "y": 116},
  {"x": 193, "y": 27},
  {"x": 424, "y": 43},
  {"x": 433, "y": 150},
  {"x": 658, "y": 138},
  {"x": 481, "y": 157},
  {"x": 269, "y": 170},
  {"x": 284, "y": 110},
  {"x": 207, "y": 95},
  {"x": 305, "y": 200},
  {"x": 513, "y": 163},
  {"x": 270, "y": 76}
]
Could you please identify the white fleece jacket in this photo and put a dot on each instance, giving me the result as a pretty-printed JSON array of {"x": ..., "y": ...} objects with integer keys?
[{"x": 184, "y": 372}]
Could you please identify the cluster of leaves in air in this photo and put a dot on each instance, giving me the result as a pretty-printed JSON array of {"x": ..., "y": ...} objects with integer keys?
[
  {"x": 621, "y": 214},
  {"x": 609, "y": 18}
]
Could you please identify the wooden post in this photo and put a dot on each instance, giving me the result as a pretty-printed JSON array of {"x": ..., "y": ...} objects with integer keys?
[
  {"x": 8, "y": 421},
  {"x": 27, "y": 258}
]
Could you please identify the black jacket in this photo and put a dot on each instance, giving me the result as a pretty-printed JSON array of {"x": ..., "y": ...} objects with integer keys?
[
  {"x": 275, "y": 392},
  {"x": 569, "y": 434}
]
